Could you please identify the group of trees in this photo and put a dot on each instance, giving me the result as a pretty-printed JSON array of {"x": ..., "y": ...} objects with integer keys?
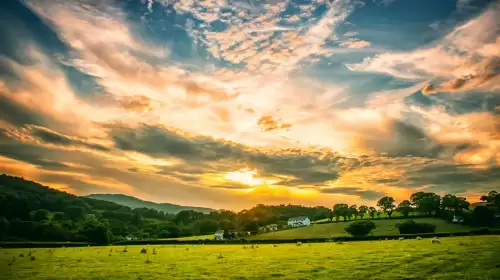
[
  {"x": 425, "y": 203},
  {"x": 30, "y": 211}
]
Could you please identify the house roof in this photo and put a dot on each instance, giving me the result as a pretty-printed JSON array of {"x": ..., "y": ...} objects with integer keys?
[
  {"x": 299, "y": 218},
  {"x": 219, "y": 231}
]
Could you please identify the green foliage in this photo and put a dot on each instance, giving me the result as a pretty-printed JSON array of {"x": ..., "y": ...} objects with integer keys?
[
  {"x": 454, "y": 203},
  {"x": 341, "y": 210},
  {"x": 483, "y": 216},
  {"x": 405, "y": 208},
  {"x": 360, "y": 228},
  {"x": 493, "y": 198},
  {"x": 205, "y": 226},
  {"x": 4, "y": 227},
  {"x": 386, "y": 203},
  {"x": 372, "y": 211},
  {"x": 363, "y": 209},
  {"x": 412, "y": 227},
  {"x": 426, "y": 203},
  {"x": 57, "y": 216},
  {"x": 75, "y": 213},
  {"x": 96, "y": 232},
  {"x": 40, "y": 215}
]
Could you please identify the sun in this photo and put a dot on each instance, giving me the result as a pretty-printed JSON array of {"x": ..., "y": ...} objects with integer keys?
[{"x": 247, "y": 177}]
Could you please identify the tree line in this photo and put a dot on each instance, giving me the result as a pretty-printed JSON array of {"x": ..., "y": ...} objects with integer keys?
[{"x": 30, "y": 211}]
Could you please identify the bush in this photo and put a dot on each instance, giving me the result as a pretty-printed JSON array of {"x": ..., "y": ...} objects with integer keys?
[
  {"x": 412, "y": 227},
  {"x": 360, "y": 228}
]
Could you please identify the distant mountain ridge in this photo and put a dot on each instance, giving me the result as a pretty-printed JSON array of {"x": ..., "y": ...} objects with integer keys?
[{"x": 134, "y": 202}]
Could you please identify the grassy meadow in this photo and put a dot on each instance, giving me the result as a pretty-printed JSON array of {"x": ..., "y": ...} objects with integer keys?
[
  {"x": 475, "y": 257},
  {"x": 384, "y": 227}
]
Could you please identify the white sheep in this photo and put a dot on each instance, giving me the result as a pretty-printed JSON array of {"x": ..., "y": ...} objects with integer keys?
[
  {"x": 401, "y": 238},
  {"x": 299, "y": 243},
  {"x": 419, "y": 238},
  {"x": 435, "y": 239}
]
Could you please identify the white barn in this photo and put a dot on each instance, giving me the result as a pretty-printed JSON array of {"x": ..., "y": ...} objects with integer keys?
[{"x": 300, "y": 221}]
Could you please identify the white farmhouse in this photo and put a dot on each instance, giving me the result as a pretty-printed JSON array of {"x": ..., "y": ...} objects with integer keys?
[
  {"x": 219, "y": 235},
  {"x": 300, "y": 221}
]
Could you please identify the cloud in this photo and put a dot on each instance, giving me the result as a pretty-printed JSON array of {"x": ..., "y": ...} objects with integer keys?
[
  {"x": 269, "y": 124},
  {"x": 466, "y": 58},
  {"x": 355, "y": 44},
  {"x": 49, "y": 136},
  {"x": 363, "y": 194}
]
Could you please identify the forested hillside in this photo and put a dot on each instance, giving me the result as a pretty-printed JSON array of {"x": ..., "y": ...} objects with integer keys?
[{"x": 134, "y": 202}]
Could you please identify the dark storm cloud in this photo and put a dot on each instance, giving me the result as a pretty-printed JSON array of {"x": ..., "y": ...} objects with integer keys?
[
  {"x": 52, "y": 137},
  {"x": 209, "y": 154},
  {"x": 369, "y": 195},
  {"x": 17, "y": 114},
  {"x": 26, "y": 152}
]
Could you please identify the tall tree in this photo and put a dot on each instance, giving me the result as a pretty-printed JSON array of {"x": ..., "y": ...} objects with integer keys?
[
  {"x": 426, "y": 203},
  {"x": 362, "y": 210},
  {"x": 40, "y": 215},
  {"x": 372, "y": 210},
  {"x": 493, "y": 197},
  {"x": 386, "y": 204},
  {"x": 454, "y": 203},
  {"x": 405, "y": 208},
  {"x": 353, "y": 211},
  {"x": 340, "y": 210}
]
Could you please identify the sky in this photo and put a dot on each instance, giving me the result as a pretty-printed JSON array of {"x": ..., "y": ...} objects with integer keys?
[{"x": 233, "y": 103}]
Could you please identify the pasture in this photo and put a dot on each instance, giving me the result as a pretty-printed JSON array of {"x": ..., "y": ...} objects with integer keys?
[
  {"x": 475, "y": 257},
  {"x": 384, "y": 227}
]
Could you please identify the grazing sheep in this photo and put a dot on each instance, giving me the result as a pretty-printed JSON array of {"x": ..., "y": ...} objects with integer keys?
[
  {"x": 253, "y": 246},
  {"x": 220, "y": 256},
  {"x": 154, "y": 252},
  {"x": 32, "y": 258},
  {"x": 144, "y": 251},
  {"x": 21, "y": 255},
  {"x": 419, "y": 238},
  {"x": 125, "y": 250},
  {"x": 256, "y": 246},
  {"x": 275, "y": 245},
  {"x": 436, "y": 240},
  {"x": 401, "y": 238},
  {"x": 299, "y": 243}
]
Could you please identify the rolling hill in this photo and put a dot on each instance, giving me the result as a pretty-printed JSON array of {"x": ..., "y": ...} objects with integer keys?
[
  {"x": 134, "y": 202},
  {"x": 384, "y": 227}
]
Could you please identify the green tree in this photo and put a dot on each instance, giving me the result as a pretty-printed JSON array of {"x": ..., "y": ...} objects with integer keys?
[
  {"x": 251, "y": 226},
  {"x": 454, "y": 203},
  {"x": 386, "y": 204},
  {"x": 4, "y": 227},
  {"x": 75, "y": 213},
  {"x": 483, "y": 216},
  {"x": 353, "y": 211},
  {"x": 96, "y": 232},
  {"x": 493, "y": 197},
  {"x": 372, "y": 210},
  {"x": 360, "y": 228},
  {"x": 405, "y": 208},
  {"x": 58, "y": 216},
  {"x": 340, "y": 210},
  {"x": 205, "y": 226},
  {"x": 426, "y": 203},
  {"x": 40, "y": 215},
  {"x": 362, "y": 211}
]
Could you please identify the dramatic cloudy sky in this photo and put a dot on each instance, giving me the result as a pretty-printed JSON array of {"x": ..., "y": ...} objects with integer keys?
[{"x": 230, "y": 103}]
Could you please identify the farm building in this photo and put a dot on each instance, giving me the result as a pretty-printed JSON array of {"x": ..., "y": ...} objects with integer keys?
[
  {"x": 272, "y": 227},
  {"x": 219, "y": 235},
  {"x": 300, "y": 221},
  {"x": 131, "y": 237}
]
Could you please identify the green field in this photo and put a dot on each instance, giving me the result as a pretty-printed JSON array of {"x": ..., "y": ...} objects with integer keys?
[
  {"x": 476, "y": 257},
  {"x": 187, "y": 238},
  {"x": 384, "y": 227}
]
